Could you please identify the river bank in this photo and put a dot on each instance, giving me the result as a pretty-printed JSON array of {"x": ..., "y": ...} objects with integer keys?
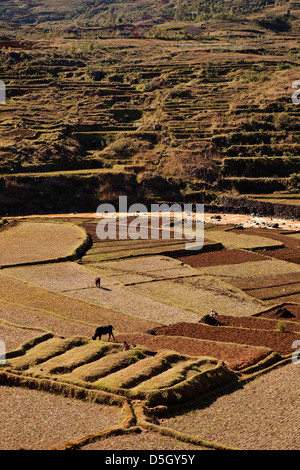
[{"x": 245, "y": 221}]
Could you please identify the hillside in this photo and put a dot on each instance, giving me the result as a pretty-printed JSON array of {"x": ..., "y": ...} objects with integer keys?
[{"x": 158, "y": 100}]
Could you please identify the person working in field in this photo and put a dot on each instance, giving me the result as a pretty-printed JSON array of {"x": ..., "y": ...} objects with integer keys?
[{"x": 125, "y": 346}]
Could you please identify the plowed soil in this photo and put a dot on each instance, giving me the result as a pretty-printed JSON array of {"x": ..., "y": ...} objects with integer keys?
[
  {"x": 216, "y": 258},
  {"x": 280, "y": 342},
  {"x": 274, "y": 313},
  {"x": 235, "y": 356}
]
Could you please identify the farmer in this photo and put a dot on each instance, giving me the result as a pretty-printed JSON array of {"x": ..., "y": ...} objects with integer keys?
[{"x": 125, "y": 346}]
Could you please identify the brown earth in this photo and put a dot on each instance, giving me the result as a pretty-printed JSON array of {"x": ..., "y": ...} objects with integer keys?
[
  {"x": 235, "y": 356},
  {"x": 280, "y": 342},
  {"x": 215, "y": 258},
  {"x": 294, "y": 309}
]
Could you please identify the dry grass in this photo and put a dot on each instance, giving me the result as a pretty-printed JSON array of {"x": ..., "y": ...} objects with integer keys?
[
  {"x": 184, "y": 369},
  {"x": 264, "y": 424},
  {"x": 200, "y": 294},
  {"x": 44, "y": 351},
  {"x": 108, "y": 364},
  {"x": 141, "y": 370},
  {"x": 232, "y": 240},
  {"x": 64, "y": 307},
  {"x": 30, "y": 242},
  {"x": 146, "y": 440},
  {"x": 113, "y": 298},
  {"x": 37, "y": 420},
  {"x": 73, "y": 358},
  {"x": 253, "y": 269}
]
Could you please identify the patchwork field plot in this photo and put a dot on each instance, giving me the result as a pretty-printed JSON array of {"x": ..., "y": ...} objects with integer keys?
[
  {"x": 280, "y": 342},
  {"x": 145, "y": 268},
  {"x": 200, "y": 294},
  {"x": 117, "y": 250},
  {"x": 51, "y": 420},
  {"x": 33, "y": 242},
  {"x": 288, "y": 254},
  {"x": 156, "y": 302},
  {"x": 69, "y": 276},
  {"x": 62, "y": 307},
  {"x": 242, "y": 241},
  {"x": 256, "y": 417},
  {"x": 158, "y": 378},
  {"x": 150, "y": 100},
  {"x": 231, "y": 256},
  {"x": 15, "y": 336},
  {"x": 288, "y": 311},
  {"x": 112, "y": 297},
  {"x": 252, "y": 269},
  {"x": 235, "y": 356}
]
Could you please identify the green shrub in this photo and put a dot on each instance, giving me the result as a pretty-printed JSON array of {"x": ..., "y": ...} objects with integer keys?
[{"x": 281, "y": 326}]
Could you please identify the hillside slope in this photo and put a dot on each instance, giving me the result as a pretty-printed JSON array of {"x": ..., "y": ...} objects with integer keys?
[{"x": 157, "y": 100}]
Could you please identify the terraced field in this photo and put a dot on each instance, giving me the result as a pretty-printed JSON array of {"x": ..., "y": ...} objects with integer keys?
[
  {"x": 34, "y": 242},
  {"x": 184, "y": 120},
  {"x": 158, "y": 303}
]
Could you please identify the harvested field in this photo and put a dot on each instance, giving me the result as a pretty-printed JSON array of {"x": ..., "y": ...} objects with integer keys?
[
  {"x": 200, "y": 294},
  {"x": 291, "y": 250},
  {"x": 252, "y": 269},
  {"x": 15, "y": 336},
  {"x": 241, "y": 241},
  {"x": 32, "y": 242},
  {"x": 68, "y": 276},
  {"x": 277, "y": 292},
  {"x": 272, "y": 289},
  {"x": 133, "y": 302},
  {"x": 30, "y": 320},
  {"x": 50, "y": 420},
  {"x": 77, "y": 282},
  {"x": 263, "y": 321},
  {"x": 285, "y": 298},
  {"x": 146, "y": 440},
  {"x": 287, "y": 254},
  {"x": 58, "y": 277},
  {"x": 121, "y": 249},
  {"x": 198, "y": 109},
  {"x": 272, "y": 280},
  {"x": 288, "y": 238},
  {"x": 258, "y": 416},
  {"x": 145, "y": 268},
  {"x": 63, "y": 307},
  {"x": 129, "y": 373}
]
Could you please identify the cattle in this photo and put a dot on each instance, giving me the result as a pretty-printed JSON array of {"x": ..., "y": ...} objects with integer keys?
[
  {"x": 104, "y": 330},
  {"x": 97, "y": 281}
]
